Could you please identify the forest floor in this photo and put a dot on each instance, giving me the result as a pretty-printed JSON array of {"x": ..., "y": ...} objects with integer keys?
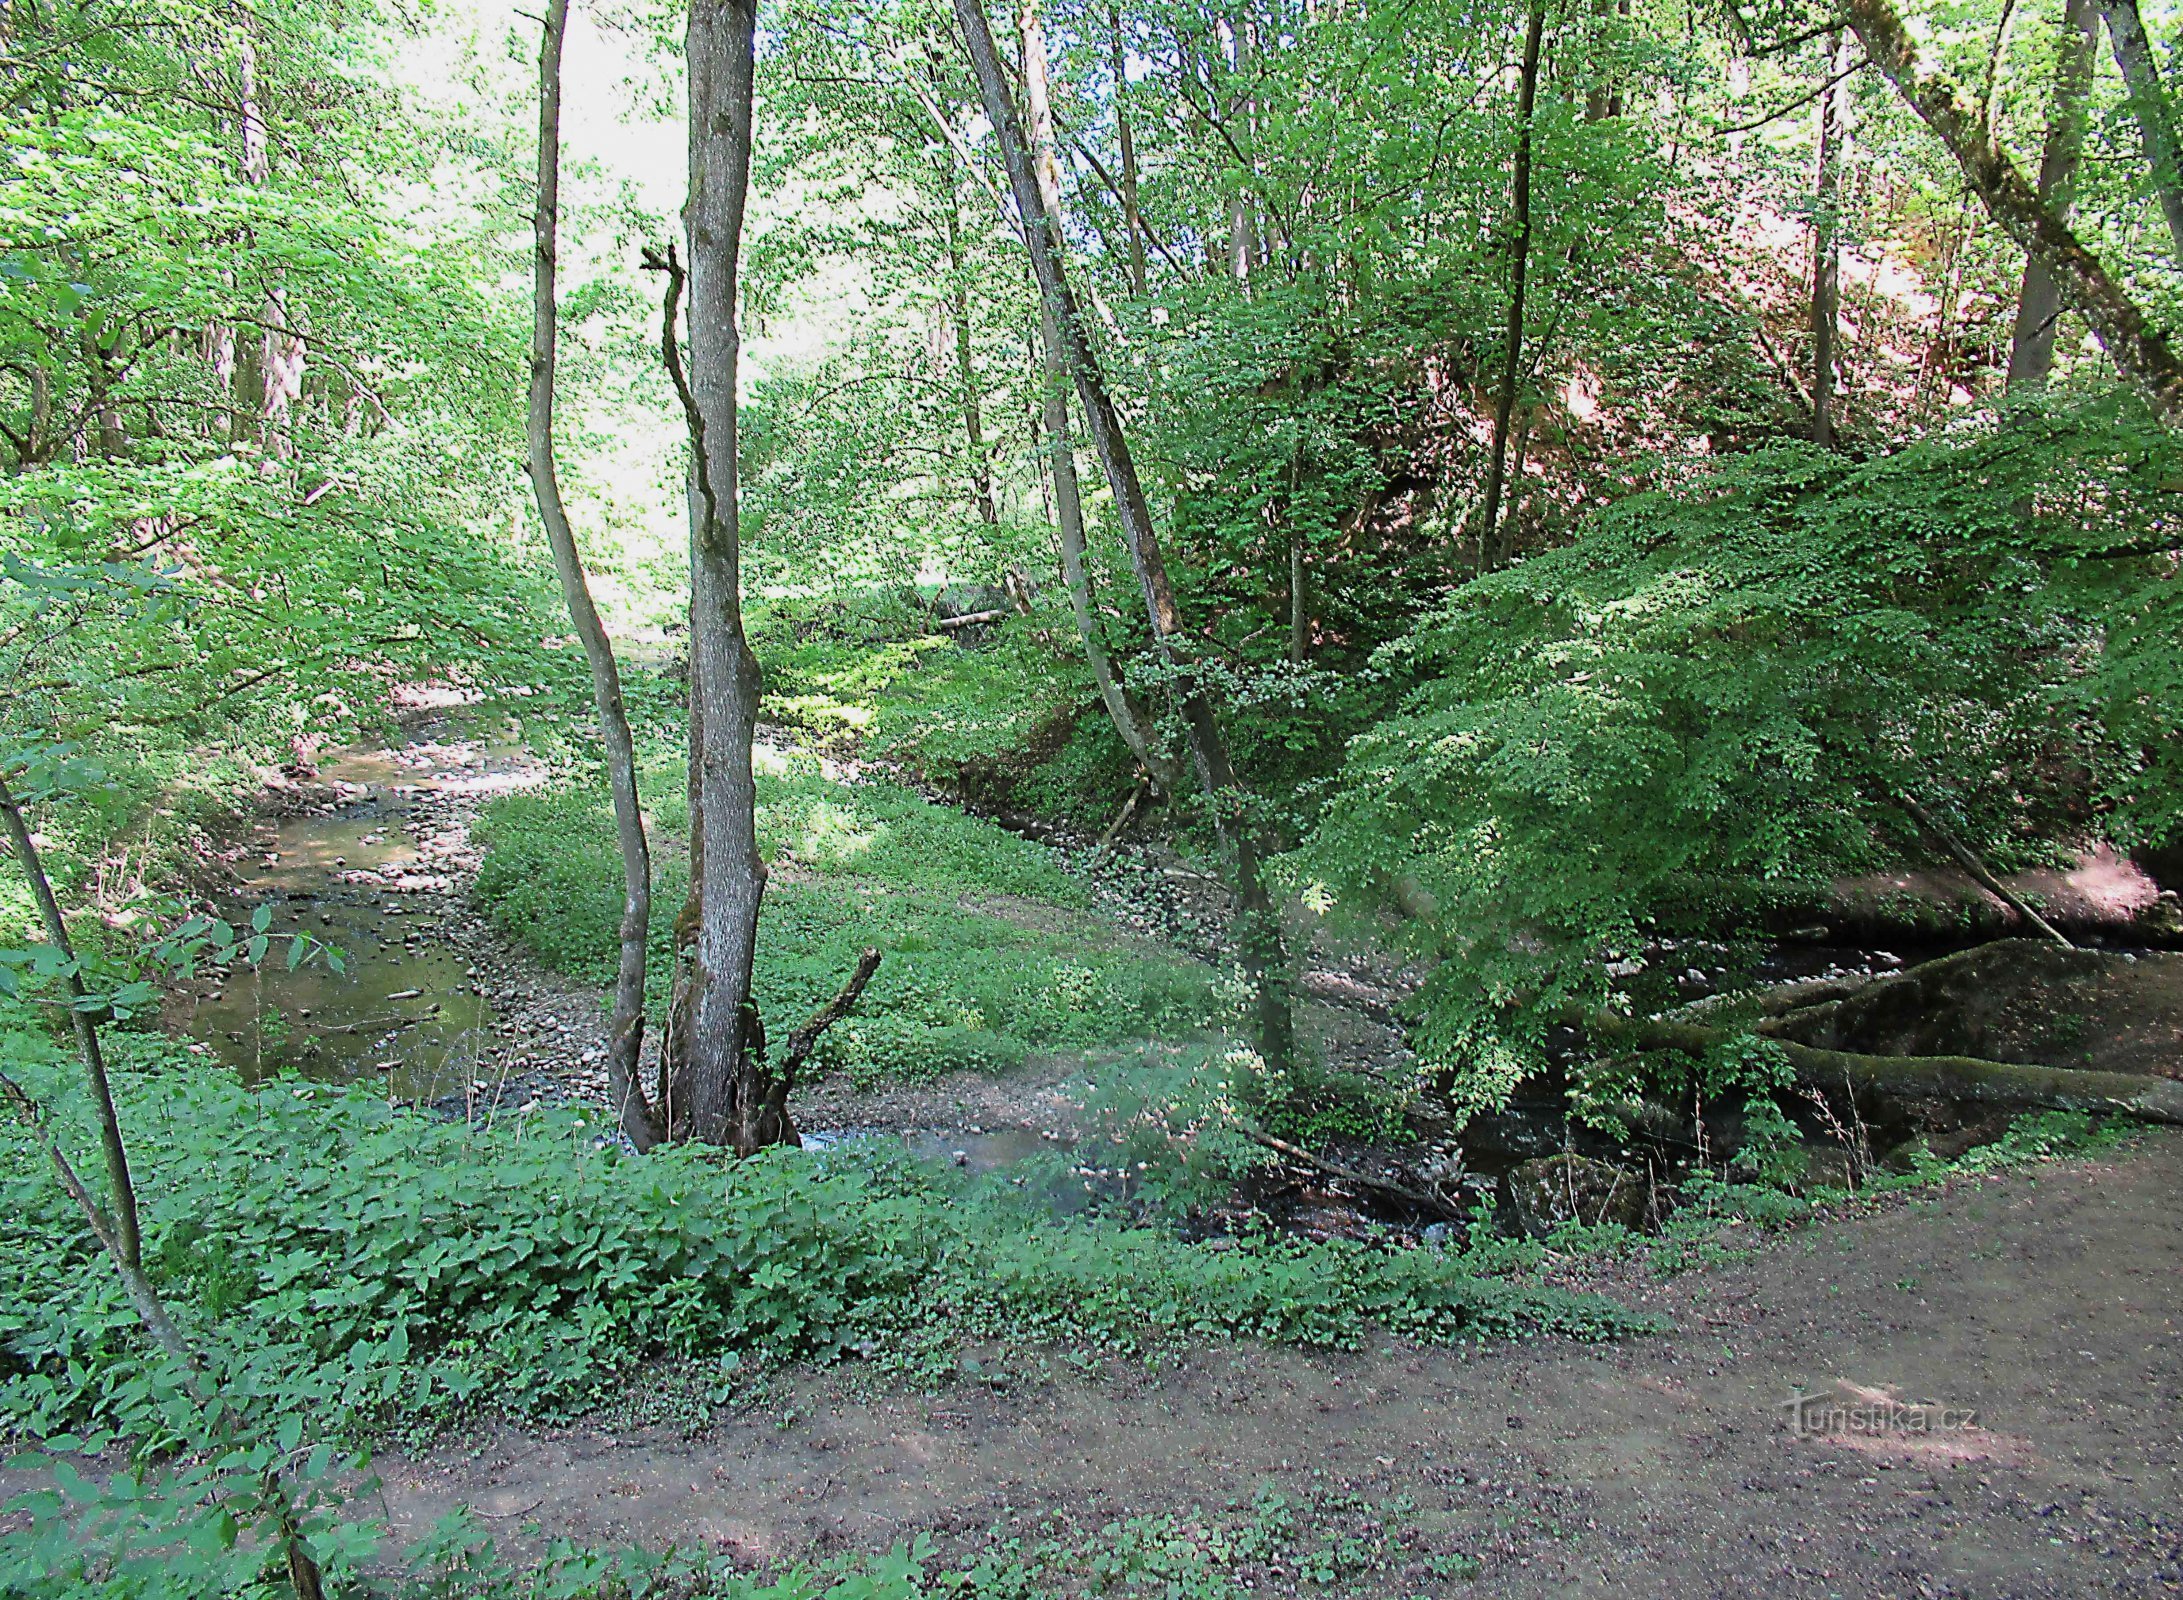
[
  {"x": 2048, "y": 1301},
  {"x": 376, "y": 850}
]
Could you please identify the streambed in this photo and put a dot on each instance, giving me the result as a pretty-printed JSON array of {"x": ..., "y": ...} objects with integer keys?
[{"x": 368, "y": 863}]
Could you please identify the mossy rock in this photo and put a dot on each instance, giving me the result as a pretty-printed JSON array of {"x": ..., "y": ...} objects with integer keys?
[{"x": 1554, "y": 1190}]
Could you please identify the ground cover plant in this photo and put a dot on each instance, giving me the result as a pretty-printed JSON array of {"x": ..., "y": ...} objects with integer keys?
[
  {"x": 1503, "y": 517},
  {"x": 390, "y": 1268},
  {"x": 987, "y": 952}
]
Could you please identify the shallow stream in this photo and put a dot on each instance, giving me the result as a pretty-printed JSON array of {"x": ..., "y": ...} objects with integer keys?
[{"x": 365, "y": 875}]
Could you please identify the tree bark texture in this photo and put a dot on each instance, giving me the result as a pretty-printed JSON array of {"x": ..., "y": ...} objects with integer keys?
[
  {"x": 1258, "y": 924},
  {"x": 625, "y": 1033},
  {"x": 1504, "y": 405},
  {"x": 2141, "y": 352},
  {"x": 2039, "y": 302},
  {"x": 717, "y": 1097},
  {"x": 1827, "y": 242}
]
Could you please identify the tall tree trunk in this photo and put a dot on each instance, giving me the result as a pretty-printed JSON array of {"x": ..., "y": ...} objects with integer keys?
[
  {"x": 1133, "y": 221},
  {"x": 269, "y": 372},
  {"x": 1299, "y": 612},
  {"x": 2140, "y": 352},
  {"x": 1258, "y": 922},
  {"x": 1827, "y": 242},
  {"x": 2039, "y": 303},
  {"x": 1129, "y": 721},
  {"x": 625, "y": 1034},
  {"x": 1604, "y": 99},
  {"x": 966, "y": 363},
  {"x": 2149, "y": 105},
  {"x": 1242, "y": 220},
  {"x": 1504, "y": 406},
  {"x": 720, "y": 1099}
]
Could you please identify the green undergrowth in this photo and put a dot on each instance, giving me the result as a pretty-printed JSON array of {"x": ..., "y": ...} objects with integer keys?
[
  {"x": 391, "y": 1270},
  {"x": 988, "y": 952},
  {"x": 1717, "y": 1220},
  {"x": 1013, "y": 720},
  {"x": 132, "y": 1539}
]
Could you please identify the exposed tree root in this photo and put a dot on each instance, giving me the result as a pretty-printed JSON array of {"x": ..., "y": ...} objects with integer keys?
[{"x": 1962, "y": 1078}]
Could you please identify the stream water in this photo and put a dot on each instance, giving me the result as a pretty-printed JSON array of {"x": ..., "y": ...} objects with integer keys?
[{"x": 366, "y": 874}]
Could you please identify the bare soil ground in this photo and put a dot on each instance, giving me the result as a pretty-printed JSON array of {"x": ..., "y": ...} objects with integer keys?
[{"x": 2048, "y": 1301}]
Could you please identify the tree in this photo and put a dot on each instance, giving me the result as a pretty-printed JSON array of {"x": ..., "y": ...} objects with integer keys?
[
  {"x": 2141, "y": 352},
  {"x": 1519, "y": 271},
  {"x": 1827, "y": 241},
  {"x": 1259, "y": 940},
  {"x": 2149, "y": 106},
  {"x": 625, "y": 1032},
  {"x": 2039, "y": 302},
  {"x": 719, "y": 1085},
  {"x": 1128, "y": 718}
]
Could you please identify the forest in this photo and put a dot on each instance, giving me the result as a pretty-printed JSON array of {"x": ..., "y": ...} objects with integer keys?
[{"x": 807, "y": 800}]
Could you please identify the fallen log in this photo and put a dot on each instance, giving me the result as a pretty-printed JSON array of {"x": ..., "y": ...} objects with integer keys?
[
  {"x": 974, "y": 619},
  {"x": 1964, "y": 1078}
]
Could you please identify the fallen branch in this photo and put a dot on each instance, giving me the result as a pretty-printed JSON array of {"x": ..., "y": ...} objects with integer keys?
[
  {"x": 1121, "y": 820},
  {"x": 1963, "y": 1078},
  {"x": 1977, "y": 869},
  {"x": 1424, "y": 1199},
  {"x": 972, "y": 620}
]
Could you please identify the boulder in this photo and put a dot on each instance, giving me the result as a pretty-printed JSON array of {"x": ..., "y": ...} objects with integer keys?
[{"x": 1552, "y": 1190}]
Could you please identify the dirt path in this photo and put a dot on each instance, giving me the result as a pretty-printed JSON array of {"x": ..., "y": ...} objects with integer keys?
[{"x": 2050, "y": 1301}]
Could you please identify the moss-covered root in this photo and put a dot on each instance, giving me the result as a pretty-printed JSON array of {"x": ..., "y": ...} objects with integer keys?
[{"x": 1964, "y": 1078}]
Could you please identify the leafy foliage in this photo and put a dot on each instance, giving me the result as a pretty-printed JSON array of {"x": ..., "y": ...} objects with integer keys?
[
  {"x": 1721, "y": 693},
  {"x": 372, "y": 1267}
]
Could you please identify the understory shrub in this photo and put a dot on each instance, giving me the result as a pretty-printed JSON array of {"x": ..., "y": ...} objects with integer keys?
[{"x": 381, "y": 1267}]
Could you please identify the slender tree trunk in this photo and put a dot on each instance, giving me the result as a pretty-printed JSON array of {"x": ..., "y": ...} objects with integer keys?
[
  {"x": 1299, "y": 613},
  {"x": 2140, "y": 351},
  {"x": 2149, "y": 105},
  {"x": 625, "y": 1033},
  {"x": 2039, "y": 303},
  {"x": 1258, "y": 923},
  {"x": 1132, "y": 216},
  {"x": 1129, "y": 721},
  {"x": 723, "y": 1100},
  {"x": 966, "y": 363},
  {"x": 1504, "y": 407},
  {"x": 1604, "y": 99},
  {"x": 269, "y": 372},
  {"x": 1827, "y": 242},
  {"x": 1242, "y": 220},
  {"x": 38, "y": 440},
  {"x": 127, "y": 1241},
  {"x": 108, "y": 438}
]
